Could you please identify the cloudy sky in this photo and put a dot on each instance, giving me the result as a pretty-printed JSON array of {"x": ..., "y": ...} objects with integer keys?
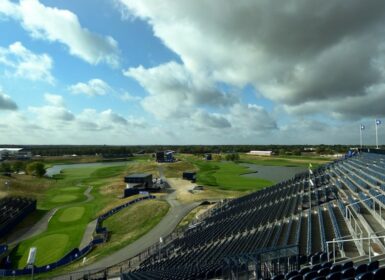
[{"x": 191, "y": 72}]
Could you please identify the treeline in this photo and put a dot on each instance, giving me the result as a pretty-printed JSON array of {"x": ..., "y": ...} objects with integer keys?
[
  {"x": 106, "y": 150},
  {"x": 32, "y": 168}
]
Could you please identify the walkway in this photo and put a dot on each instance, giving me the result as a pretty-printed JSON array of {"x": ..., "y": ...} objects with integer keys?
[{"x": 91, "y": 227}]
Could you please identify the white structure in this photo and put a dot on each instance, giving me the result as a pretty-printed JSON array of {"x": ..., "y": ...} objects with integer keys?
[
  {"x": 260, "y": 153},
  {"x": 14, "y": 153}
]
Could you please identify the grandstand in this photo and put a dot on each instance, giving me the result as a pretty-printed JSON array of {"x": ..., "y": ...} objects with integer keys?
[
  {"x": 298, "y": 227},
  {"x": 13, "y": 210}
]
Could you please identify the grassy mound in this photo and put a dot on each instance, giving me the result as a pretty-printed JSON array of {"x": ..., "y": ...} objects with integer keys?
[
  {"x": 71, "y": 214},
  {"x": 64, "y": 198}
]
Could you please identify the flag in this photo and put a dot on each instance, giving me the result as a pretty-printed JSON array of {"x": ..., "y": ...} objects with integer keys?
[
  {"x": 362, "y": 127},
  {"x": 378, "y": 122}
]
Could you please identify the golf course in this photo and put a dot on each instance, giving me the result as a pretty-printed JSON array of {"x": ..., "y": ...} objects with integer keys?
[{"x": 70, "y": 200}]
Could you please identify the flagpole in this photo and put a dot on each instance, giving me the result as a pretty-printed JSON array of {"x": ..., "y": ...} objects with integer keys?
[{"x": 375, "y": 122}]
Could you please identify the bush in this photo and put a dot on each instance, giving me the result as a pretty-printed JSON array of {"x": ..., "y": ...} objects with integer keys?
[
  {"x": 232, "y": 157},
  {"x": 36, "y": 168}
]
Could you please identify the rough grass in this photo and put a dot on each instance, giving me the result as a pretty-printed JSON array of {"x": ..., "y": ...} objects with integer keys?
[
  {"x": 300, "y": 161},
  {"x": 129, "y": 225},
  {"x": 176, "y": 169}
]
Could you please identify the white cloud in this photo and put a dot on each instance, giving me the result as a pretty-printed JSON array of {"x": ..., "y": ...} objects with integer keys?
[
  {"x": 23, "y": 63},
  {"x": 6, "y": 103},
  {"x": 54, "y": 99},
  {"x": 54, "y": 114},
  {"x": 94, "y": 87},
  {"x": 251, "y": 117},
  {"x": 175, "y": 92},
  {"x": 292, "y": 53},
  {"x": 126, "y": 96},
  {"x": 58, "y": 25}
]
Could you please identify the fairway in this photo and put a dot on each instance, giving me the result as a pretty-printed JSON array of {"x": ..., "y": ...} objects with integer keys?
[
  {"x": 64, "y": 198},
  {"x": 71, "y": 214},
  {"x": 70, "y": 189},
  {"x": 45, "y": 253},
  {"x": 227, "y": 176}
]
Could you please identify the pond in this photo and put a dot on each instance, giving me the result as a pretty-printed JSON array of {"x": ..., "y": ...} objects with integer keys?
[
  {"x": 56, "y": 169},
  {"x": 272, "y": 173}
]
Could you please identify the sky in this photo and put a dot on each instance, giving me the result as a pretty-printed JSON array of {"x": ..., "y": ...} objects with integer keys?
[{"x": 128, "y": 72}]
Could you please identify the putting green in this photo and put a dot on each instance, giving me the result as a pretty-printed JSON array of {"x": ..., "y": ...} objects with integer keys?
[
  {"x": 71, "y": 214},
  {"x": 64, "y": 198},
  {"x": 70, "y": 189},
  {"x": 49, "y": 249}
]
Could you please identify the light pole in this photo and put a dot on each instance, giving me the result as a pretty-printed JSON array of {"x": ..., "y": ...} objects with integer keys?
[{"x": 31, "y": 260}]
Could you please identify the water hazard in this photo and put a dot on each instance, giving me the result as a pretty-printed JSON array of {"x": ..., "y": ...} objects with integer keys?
[{"x": 56, "y": 169}]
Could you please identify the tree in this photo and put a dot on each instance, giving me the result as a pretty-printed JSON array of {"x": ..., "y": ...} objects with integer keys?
[
  {"x": 5, "y": 167},
  {"x": 232, "y": 157},
  {"x": 36, "y": 168},
  {"x": 18, "y": 166}
]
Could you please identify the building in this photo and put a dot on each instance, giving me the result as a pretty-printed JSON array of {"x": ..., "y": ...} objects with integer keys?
[
  {"x": 14, "y": 153},
  {"x": 189, "y": 175},
  {"x": 136, "y": 183},
  {"x": 139, "y": 180},
  {"x": 260, "y": 153},
  {"x": 165, "y": 156},
  {"x": 159, "y": 156},
  {"x": 208, "y": 157},
  {"x": 169, "y": 156}
]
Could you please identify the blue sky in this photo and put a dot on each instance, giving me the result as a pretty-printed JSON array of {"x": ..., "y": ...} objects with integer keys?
[{"x": 184, "y": 72}]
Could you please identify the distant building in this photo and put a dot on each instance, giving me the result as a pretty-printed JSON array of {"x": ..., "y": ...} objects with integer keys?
[
  {"x": 189, "y": 175},
  {"x": 159, "y": 156},
  {"x": 165, "y": 156},
  {"x": 208, "y": 156},
  {"x": 260, "y": 153},
  {"x": 14, "y": 153}
]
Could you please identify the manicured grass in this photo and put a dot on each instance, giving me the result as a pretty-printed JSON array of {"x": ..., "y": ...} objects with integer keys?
[
  {"x": 70, "y": 189},
  {"x": 226, "y": 175},
  {"x": 71, "y": 214},
  {"x": 71, "y": 220},
  {"x": 66, "y": 192},
  {"x": 64, "y": 198},
  {"x": 50, "y": 247}
]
